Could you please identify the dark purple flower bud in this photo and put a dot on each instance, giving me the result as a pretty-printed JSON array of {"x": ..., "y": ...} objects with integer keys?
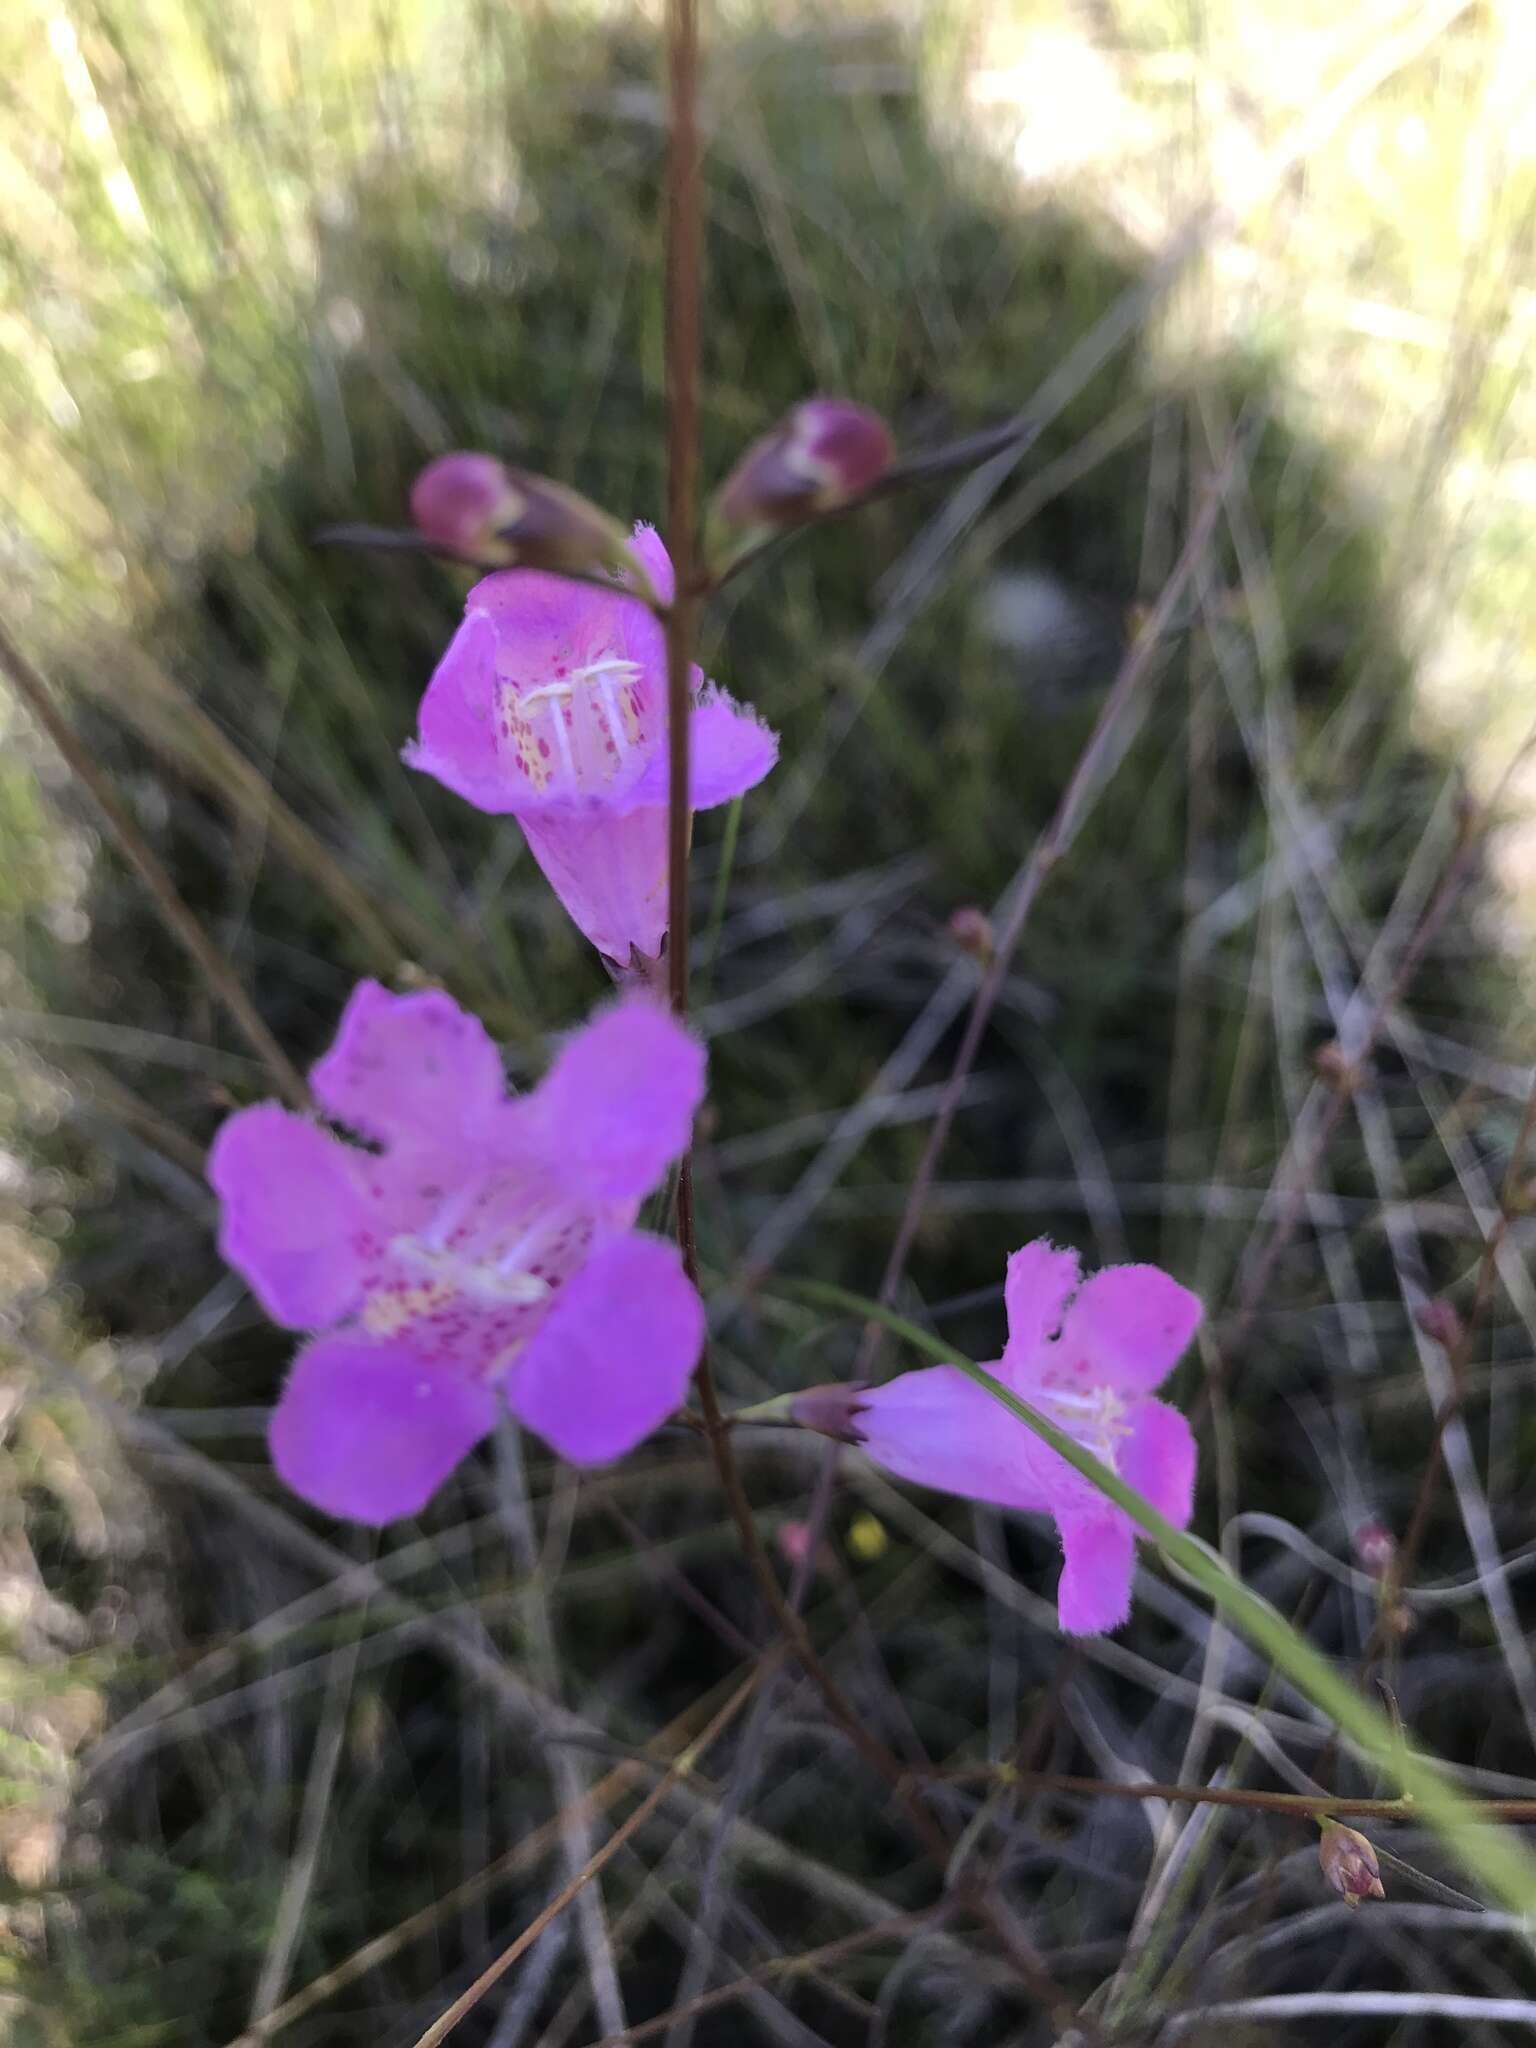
[
  {"x": 831, "y": 1410},
  {"x": 481, "y": 511},
  {"x": 825, "y": 452},
  {"x": 1349, "y": 1864}
]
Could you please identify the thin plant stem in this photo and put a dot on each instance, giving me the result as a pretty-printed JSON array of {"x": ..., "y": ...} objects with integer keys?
[
  {"x": 141, "y": 857},
  {"x": 1086, "y": 779},
  {"x": 680, "y": 1767},
  {"x": 684, "y": 237}
]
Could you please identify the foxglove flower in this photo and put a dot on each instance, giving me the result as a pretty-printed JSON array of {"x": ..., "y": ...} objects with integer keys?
[
  {"x": 481, "y": 1252},
  {"x": 551, "y": 706},
  {"x": 1087, "y": 1356}
]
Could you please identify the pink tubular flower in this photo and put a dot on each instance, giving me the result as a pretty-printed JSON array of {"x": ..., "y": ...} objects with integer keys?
[
  {"x": 551, "y": 706},
  {"x": 483, "y": 1252},
  {"x": 1087, "y": 1356}
]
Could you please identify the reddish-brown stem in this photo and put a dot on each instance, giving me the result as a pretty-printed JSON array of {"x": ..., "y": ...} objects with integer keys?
[
  {"x": 1305, "y": 1803},
  {"x": 684, "y": 234},
  {"x": 682, "y": 329},
  {"x": 1402, "y": 1565}
]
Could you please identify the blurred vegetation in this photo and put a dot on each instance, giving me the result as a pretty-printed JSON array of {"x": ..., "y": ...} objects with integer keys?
[{"x": 267, "y": 266}]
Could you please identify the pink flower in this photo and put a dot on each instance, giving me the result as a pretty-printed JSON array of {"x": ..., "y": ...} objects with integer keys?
[
  {"x": 482, "y": 1251},
  {"x": 1087, "y": 1356},
  {"x": 551, "y": 706}
]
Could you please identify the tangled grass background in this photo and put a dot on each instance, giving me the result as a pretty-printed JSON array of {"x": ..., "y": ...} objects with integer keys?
[{"x": 261, "y": 265}]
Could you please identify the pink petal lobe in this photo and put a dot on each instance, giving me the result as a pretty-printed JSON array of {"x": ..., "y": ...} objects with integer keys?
[
  {"x": 407, "y": 1069},
  {"x": 369, "y": 1431},
  {"x": 937, "y": 1428},
  {"x": 1158, "y": 1459},
  {"x": 457, "y": 720},
  {"x": 617, "y": 1106},
  {"x": 1127, "y": 1328},
  {"x": 1100, "y": 1558},
  {"x": 612, "y": 1359},
  {"x": 290, "y": 1210},
  {"x": 731, "y": 751},
  {"x": 648, "y": 544},
  {"x": 1041, "y": 1281},
  {"x": 610, "y": 872}
]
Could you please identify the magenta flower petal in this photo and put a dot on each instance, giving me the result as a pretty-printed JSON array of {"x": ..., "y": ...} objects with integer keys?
[
  {"x": 610, "y": 873},
  {"x": 1127, "y": 1328},
  {"x": 1041, "y": 1281},
  {"x": 730, "y": 751},
  {"x": 369, "y": 1431},
  {"x": 654, "y": 559},
  {"x": 612, "y": 1359},
  {"x": 291, "y": 1209},
  {"x": 1158, "y": 1459},
  {"x": 1100, "y": 1559},
  {"x": 617, "y": 1106},
  {"x": 456, "y": 720},
  {"x": 413, "y": 1067},
  {"x": 937, "y": 1428}
]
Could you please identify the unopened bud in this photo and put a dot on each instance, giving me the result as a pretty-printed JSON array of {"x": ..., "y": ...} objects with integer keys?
[
  {"x": 971, "y": 930},
  {"x": 1440, "y": 1320},
  {"x": 825, "y": 452},
  {"x": 1349, "y": 1864},
  {"x": 1334, "y": 1066},
  {"x": 795, "y": 1541},
  {"x": 1375, "y": 1547},
  {"x": 479, "y": 510},
  {"x": 832, "y": 1410}
]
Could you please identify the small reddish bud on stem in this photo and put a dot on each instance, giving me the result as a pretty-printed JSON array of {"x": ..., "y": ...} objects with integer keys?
[
  {"x": 1334, "y": 1066},
  {"x": 1349, "y": 1864},
  {"x": 971, "y": 930},
  {"x": 1440, "y": 1320},
  {"x": 824, "y": 453},
  {"x": 1375, "y": 1547},
  {"x": 478, "y": 509}
]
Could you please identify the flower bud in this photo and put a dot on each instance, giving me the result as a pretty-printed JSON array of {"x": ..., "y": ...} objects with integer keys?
[
  {"x": 823, "y": 453},
  {"x": 1438, "y": 1319},
  {"x": 1349, "y": 1864},
  {"x": 831, "y": 1410},
  {"x": 1334, "y": 1067},
  {"x": 481, "y": 511},
  {"x": 971, "y": 930},
  {"x": 1375, "y": 1547}
]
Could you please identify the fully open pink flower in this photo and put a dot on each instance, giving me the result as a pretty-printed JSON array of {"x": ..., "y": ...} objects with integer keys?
[
  {"x": 551, "y": 706},
  {"x": 1087, "y": 1356},
  {"x": 482, "y": 1252}
]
